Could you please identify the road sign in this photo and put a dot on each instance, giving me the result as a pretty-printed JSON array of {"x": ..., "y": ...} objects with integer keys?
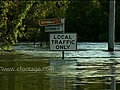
[
  {"x": 53, "y": 28},
  {"x": 53, "y": 21},
  {"x": 63, "y": 42}
]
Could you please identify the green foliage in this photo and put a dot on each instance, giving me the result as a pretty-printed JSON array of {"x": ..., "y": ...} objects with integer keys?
[
  {"x": 88, "y": 19},
  {"x": 20, "y": 20},
  {"x": 12, "y": 16},
  {"x": 42, "y": 10}
]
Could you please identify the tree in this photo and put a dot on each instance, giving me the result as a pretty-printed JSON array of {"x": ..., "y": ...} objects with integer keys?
[
  {"x": 12, "y": 14},
  {"x": 18, "y": 17},
  {"x": 88, "y": 19}
]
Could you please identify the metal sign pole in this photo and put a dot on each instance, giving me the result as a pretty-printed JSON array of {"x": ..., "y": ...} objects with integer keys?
[
  {"x": 63, "y": 22},
  {"x": 111, "y": 26}
]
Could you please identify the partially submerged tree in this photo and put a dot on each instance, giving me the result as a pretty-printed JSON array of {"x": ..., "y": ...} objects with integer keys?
[
  {"x": 18, "y": 17},
  {"x": 12, "y": 14}
]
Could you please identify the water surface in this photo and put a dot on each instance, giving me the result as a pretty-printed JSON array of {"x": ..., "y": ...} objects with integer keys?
[{"x": 91, "y": 67}]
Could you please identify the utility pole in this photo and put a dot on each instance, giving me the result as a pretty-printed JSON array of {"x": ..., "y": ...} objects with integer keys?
[{"x": 111, "y": 25}]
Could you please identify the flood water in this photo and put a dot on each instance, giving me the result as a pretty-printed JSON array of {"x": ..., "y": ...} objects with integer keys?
[{"x": 91, "y": 67}]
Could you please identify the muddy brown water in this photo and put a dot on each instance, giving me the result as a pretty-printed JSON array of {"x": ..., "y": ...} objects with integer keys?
[{"x": 91, "y": 67}]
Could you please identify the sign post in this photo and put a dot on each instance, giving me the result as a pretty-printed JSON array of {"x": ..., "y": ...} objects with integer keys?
[
  {"x": 63, "y": 21},
  {"x": 62, "y": 41}
]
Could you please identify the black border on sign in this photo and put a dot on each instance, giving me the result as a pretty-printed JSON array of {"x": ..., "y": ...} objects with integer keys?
[{"x": 62, "y": 50}]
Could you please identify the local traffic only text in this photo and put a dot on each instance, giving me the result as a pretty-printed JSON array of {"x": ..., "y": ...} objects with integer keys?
[{"x": 63, "y": 42}]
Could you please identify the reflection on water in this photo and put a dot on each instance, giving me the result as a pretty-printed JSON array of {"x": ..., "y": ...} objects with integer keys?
[
  {"x": 113, "y": 72},
  {"x": 23, "y": 80},
  {"x": 95, "y": 72}
]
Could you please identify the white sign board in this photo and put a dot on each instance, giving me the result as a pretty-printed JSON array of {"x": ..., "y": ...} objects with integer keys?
[
  {"x": 53, "y": 28},
  {"x": 63, "y": 42}
]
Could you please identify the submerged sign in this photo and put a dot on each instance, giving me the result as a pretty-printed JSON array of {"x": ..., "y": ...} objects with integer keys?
[{"x": 63, "y": 42}]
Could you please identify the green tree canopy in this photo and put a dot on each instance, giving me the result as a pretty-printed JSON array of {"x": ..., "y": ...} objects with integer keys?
[{"x": 21, "y": 19}]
